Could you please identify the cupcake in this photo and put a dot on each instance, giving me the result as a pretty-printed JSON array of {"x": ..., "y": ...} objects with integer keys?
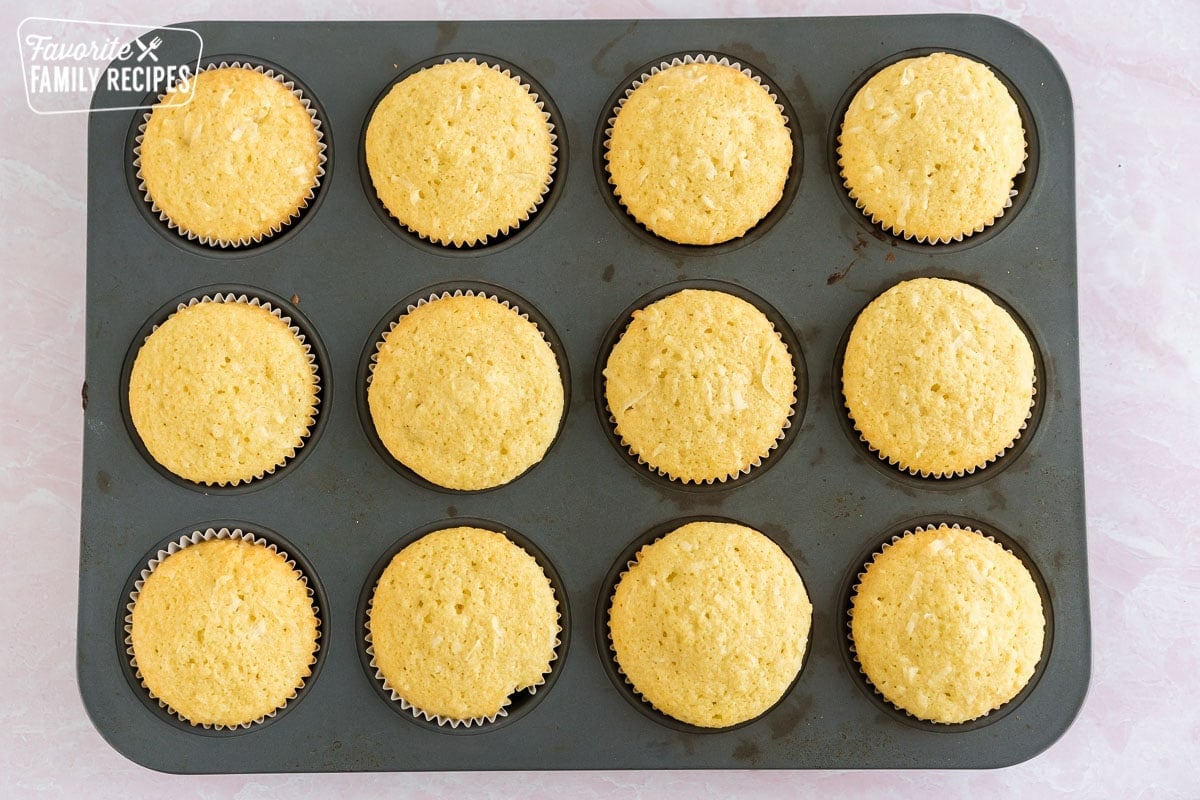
[
  {"x": 466, "y": 392},
  {"x": 700, "y": 386},
  {"x": 710, "y": 624},
  {"x": 947, "y": 625},
  {"x": 460, "y": 152},
  {"x": 929, "y": 147},
  {"x": 937, "y": 378},
  {"x": 459, "y": 621},
  {"x": 224, "y": 391},
  {"x": 222, "y": 629},
  {"x": 698, "y": 151},
  {"x": 236, "y": 162}
]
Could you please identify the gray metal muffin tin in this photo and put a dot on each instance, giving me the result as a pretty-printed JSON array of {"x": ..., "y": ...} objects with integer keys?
[{"x": 581, "y": 263}]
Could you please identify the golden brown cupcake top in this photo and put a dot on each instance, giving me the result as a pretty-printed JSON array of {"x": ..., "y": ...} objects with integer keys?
[
  {"x": 947, "y": 624},
  {"x": 224, "y": 632},
  {"x": 700, "y": 385},
  {"x": 460, "y": 152},
  {"x": 937, "y": 377},
  {"x": 699, "y": 153},
  {"x": 460, "y": 620},
  {"x": 466, "y": 392},
  {"x": 711, "y": 623},
  {"x": 234, "y": 163},
  {"x": 929, "y": 147},
  {"x": 223, "y": 392}
]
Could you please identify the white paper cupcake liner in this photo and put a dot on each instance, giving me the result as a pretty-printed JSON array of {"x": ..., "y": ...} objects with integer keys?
[
  {"x": 196, "y": 537},
  {"x": 504, "y": 230},
  {"x": 849, "y": 612},
  {"x": 275, "y": 229},
  {"x": 662, "y": 473},
  {"x": 698, "y": 58},
  {"x": 453, "y": 722},
  {"x": 230, "y": 297}
]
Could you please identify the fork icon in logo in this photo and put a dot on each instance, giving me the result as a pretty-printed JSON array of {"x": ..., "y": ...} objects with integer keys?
[{"x": 148, "y": 51}]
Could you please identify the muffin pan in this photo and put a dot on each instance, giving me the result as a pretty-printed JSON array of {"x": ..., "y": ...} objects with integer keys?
[{"x": 340, "y": 508}]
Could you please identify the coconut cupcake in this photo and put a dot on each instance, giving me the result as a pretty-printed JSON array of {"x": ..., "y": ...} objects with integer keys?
[
  {"x": 947, "y": 625},
  {"x": 700, "y": 386},
  {"x": 234, "y": 163},
  {"x": 224, "y": 391},
  {"x": 466, "y": 392},
  {"x": 937, "y": 378},
  {"x": 699, "y": 151},
  {"x": 460, "y": 621},
  {"x": 710, "y": 623},
  {"x": 222, "y": 629},
  {"x": 929, "y": 147},
  {"x": 460, "y": 152}
]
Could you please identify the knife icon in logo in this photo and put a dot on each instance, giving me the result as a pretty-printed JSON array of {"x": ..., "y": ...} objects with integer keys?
[{"x": 148, "y": 51}]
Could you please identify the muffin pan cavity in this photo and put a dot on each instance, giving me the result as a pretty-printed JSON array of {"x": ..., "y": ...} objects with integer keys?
[
  {"x": 452, "y": 288},
  {"x": 345, "y": 270},
  {"x": 786, "y": 334},
  {"x": 1042, "y": 386},
  {"x": 787, "y": 705}
]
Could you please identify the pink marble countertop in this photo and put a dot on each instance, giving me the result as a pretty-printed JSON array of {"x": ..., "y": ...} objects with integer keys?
[{"x": 1132, "y": 70}]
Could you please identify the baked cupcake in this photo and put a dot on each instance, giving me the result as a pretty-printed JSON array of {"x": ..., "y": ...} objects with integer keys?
[
  {"x": 223, "y": 630},
  {"x": 466, "y": 392},
  {"x": 699, "y": 151},
  {"x": 460, "y": 152},
  {"x": 459, "y": 621},
  {"x": 937, "y": 377},
  {"x": 224, "y": 391},
  {"x": 237, "y": 161},
  {"x": 710, "y": 624},
  {"x": 947, "y": 625},
  {"x": 929, "y": 147},
  {"x": 700, "y": 386}
]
